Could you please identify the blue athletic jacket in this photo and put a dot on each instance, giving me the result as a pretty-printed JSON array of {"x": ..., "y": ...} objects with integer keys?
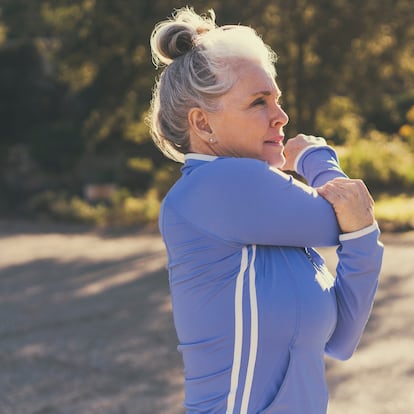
[{"x": 255, "y": 308}]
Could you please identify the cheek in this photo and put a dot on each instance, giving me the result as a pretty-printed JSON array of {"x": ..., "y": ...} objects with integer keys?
[
  {"x": 246, "y": 130},
  {"x": 255, "y": 120},
  {"x": 258, "y": 127},
  {"x": 224, "y": 127},
  {"x": 261, "y": 119}
]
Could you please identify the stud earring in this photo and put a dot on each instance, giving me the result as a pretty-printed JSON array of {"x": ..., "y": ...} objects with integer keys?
[{"x": 211, "y": 140}]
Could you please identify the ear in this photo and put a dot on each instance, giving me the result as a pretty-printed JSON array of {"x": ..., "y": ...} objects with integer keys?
[{"x": 199, "y": 125}]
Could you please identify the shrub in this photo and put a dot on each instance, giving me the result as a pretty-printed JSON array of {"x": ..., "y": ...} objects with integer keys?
[
  {"x": 384, "y": 163},
  {"x": 123, "y": 209},
  {"x": 60, "y": 206},
  {"x": 395, "y": 213},
  {"x": 339, "y": 120}
]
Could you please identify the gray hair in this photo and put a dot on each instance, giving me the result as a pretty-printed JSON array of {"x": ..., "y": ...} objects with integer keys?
[{"x": 199, "y": 58}]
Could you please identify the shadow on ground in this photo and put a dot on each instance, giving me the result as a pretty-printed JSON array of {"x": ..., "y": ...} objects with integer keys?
[
  {"x": 86, "y": 328},
  {"x": 87, "y": 337}
]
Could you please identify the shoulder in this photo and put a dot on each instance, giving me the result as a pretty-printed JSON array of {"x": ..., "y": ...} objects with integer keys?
[
  {"x": 249, "y": 173},
  {"x": 227, "y": 178},
  {"x": 235, "y": 169},
  {"x": 234, "y": 175}
]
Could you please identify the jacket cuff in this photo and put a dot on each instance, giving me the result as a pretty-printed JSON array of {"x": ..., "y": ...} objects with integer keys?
[{"x": 359, "y": 233}]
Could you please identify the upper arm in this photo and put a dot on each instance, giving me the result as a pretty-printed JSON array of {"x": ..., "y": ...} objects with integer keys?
[{"x": 245, "y": 201}]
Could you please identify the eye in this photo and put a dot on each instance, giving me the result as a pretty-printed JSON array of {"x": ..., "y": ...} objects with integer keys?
[{"x": 259, "y": 101}]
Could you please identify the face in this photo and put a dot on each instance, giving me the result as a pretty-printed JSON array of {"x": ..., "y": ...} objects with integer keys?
[{"x": 250, "y": 120}]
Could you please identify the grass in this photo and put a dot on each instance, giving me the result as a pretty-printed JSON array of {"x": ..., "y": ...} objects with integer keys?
[{"x": 395, "y": 213}]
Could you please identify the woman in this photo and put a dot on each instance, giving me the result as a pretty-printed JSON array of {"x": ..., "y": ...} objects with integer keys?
[{"x": 254, "y": 306}]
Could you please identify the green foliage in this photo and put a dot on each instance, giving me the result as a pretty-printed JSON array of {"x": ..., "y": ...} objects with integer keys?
[
  {"x": 76, "y": 79},
  {"x": 339, "y": 121},
  {"x": 406, "y": 131},
  {"x": 27, "y": 96},
  {"x": 60, "y": 206},
  {"x": 123, "y": 209},
  {"x": 383, "y": 162},
  {"x": 127, "y": 209},
  {"x": 342, "y": 48},
  {"x": 395, "y": 213},
  {"x": 165, "y": 177},
  {"x": 56, "y": 147}
]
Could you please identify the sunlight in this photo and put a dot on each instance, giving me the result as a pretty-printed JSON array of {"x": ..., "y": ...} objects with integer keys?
[
  {"x": 324, "y": 278},
  {"x": 33, "y": 350},
  {"x": 135, "y": 271}
]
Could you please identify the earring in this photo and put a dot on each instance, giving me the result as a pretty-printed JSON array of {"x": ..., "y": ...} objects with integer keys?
[{"x": 211, "y": 140}]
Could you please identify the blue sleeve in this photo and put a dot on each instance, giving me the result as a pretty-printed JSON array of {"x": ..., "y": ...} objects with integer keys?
[
  {"x": 244, "y": 201},
  {"x": 318, "y": 164},
  {"x": 355, "y": 286}
]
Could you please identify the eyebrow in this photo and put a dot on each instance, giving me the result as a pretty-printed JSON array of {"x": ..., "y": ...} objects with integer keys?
[{"x": 267, "y": 93}]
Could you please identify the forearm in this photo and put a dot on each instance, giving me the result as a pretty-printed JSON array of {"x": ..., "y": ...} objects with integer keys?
[
  {"x": 318, "y": 164},
  {"x": 356, "y": 283}
]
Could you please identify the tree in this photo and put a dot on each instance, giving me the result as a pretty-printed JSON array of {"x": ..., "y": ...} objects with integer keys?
[
  {"x": 76, "y": 76},
  {"x": 326, "y": 48}
]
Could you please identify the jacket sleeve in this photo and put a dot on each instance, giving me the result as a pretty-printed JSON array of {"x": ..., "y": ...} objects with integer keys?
[
  {"x": 244, "y": 201},
  {"x": 360, "y": 258},
  {"x": 318, "y": 164}
]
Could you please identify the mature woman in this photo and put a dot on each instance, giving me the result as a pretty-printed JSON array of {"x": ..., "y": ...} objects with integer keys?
[{"x": 254, "y": 306}]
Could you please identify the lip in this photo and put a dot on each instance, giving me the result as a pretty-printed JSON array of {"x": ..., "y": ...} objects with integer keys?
[{"x": 276, "y": 141}]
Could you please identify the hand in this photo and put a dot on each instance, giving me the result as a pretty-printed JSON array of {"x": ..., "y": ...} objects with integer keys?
[
  {"x": 352, "y": 202},
  {"x": 295, "y": 145}
]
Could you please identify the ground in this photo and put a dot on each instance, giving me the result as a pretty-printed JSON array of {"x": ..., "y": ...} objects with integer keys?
[{"x": 86, "y": 327}]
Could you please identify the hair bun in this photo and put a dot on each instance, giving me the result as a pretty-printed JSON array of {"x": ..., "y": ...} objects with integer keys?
[
  {"x": 177, "y": 40},
  {"x": 177, "y": 36}
]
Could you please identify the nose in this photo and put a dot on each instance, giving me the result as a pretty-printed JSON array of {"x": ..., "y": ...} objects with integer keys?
[{"x": 279, "y": 116}]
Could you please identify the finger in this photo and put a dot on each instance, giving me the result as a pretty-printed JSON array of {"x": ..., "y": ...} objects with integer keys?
[
  {"x": 331, "y": 193},
  {"x": 354, "y": 187}
]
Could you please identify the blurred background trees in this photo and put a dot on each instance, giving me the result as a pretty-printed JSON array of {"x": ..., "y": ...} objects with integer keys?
[{"x": 76, "y": 79}]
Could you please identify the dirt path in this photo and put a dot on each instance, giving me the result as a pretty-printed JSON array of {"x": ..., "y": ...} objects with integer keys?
[{"x": 86, "y": 327}]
